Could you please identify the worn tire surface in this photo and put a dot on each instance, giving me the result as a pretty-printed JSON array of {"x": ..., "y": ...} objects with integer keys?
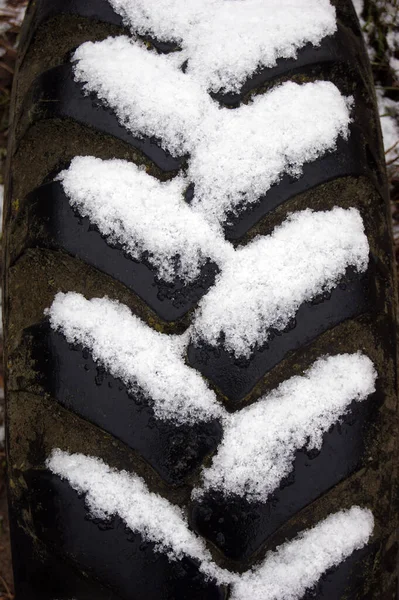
[{"x": 57, "y": 397}]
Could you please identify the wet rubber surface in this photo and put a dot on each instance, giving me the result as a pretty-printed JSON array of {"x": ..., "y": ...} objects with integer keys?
[
  {"x": 108, "y": 551},
  {"x": 43, "y": 575},
  {"x": 69, "y": 374},
  {"x": 56, "y": 95}
]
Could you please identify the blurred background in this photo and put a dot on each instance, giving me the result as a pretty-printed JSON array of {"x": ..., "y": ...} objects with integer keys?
[{"x": 380, "y": 24}]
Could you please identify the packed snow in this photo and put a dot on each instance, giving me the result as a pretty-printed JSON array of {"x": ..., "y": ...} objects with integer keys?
[
  {"x": 235, "y": 156},
  {"x": 267, "y": 280},
  {"x": 225, "y": 41},
  {"x": 284, "y": 574},
  {"x": 259, "y": 442},
  {"x": 142, "y": 358},
  {"x": 145, "y": 216}
]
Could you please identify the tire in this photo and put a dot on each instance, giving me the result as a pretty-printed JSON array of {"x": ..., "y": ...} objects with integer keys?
[{"x": 58, "y": 395}]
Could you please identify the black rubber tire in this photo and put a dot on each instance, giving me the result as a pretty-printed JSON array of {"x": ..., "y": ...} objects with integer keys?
[{"x": 53, "y": 394}]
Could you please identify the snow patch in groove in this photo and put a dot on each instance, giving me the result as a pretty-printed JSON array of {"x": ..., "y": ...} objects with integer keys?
[
  {"x": 260, "y": 441},
  {"x": 142, "y": 358},
  {"x": 266, "y": 282},
  {"x": 149, "y": 218}
]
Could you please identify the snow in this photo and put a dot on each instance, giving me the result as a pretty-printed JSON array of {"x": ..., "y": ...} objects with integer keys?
[
  {"x": 260, "y": 441},
  {"x": 298, "y": 565},
  {"x": 302, "y": 258},
  {"x": 235, "y": 156},
  {"x": 109, "y": 492},
  {"x": 265, "y": 283},
  {"x": 142, "y": 358},
  {"x": 225, "y": 41},
  {"x": 144, "y": 215},
  {"x": 284, "y": 575},
  {"x": 148, "y": 91},
  {"x": 243, "y": 152}
]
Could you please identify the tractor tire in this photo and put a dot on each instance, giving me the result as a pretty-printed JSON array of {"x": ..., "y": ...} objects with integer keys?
[{"x": 60, "y": 395}]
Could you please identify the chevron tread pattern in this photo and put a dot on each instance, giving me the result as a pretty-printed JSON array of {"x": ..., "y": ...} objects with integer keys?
[{"x": 62, "y": 394}]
